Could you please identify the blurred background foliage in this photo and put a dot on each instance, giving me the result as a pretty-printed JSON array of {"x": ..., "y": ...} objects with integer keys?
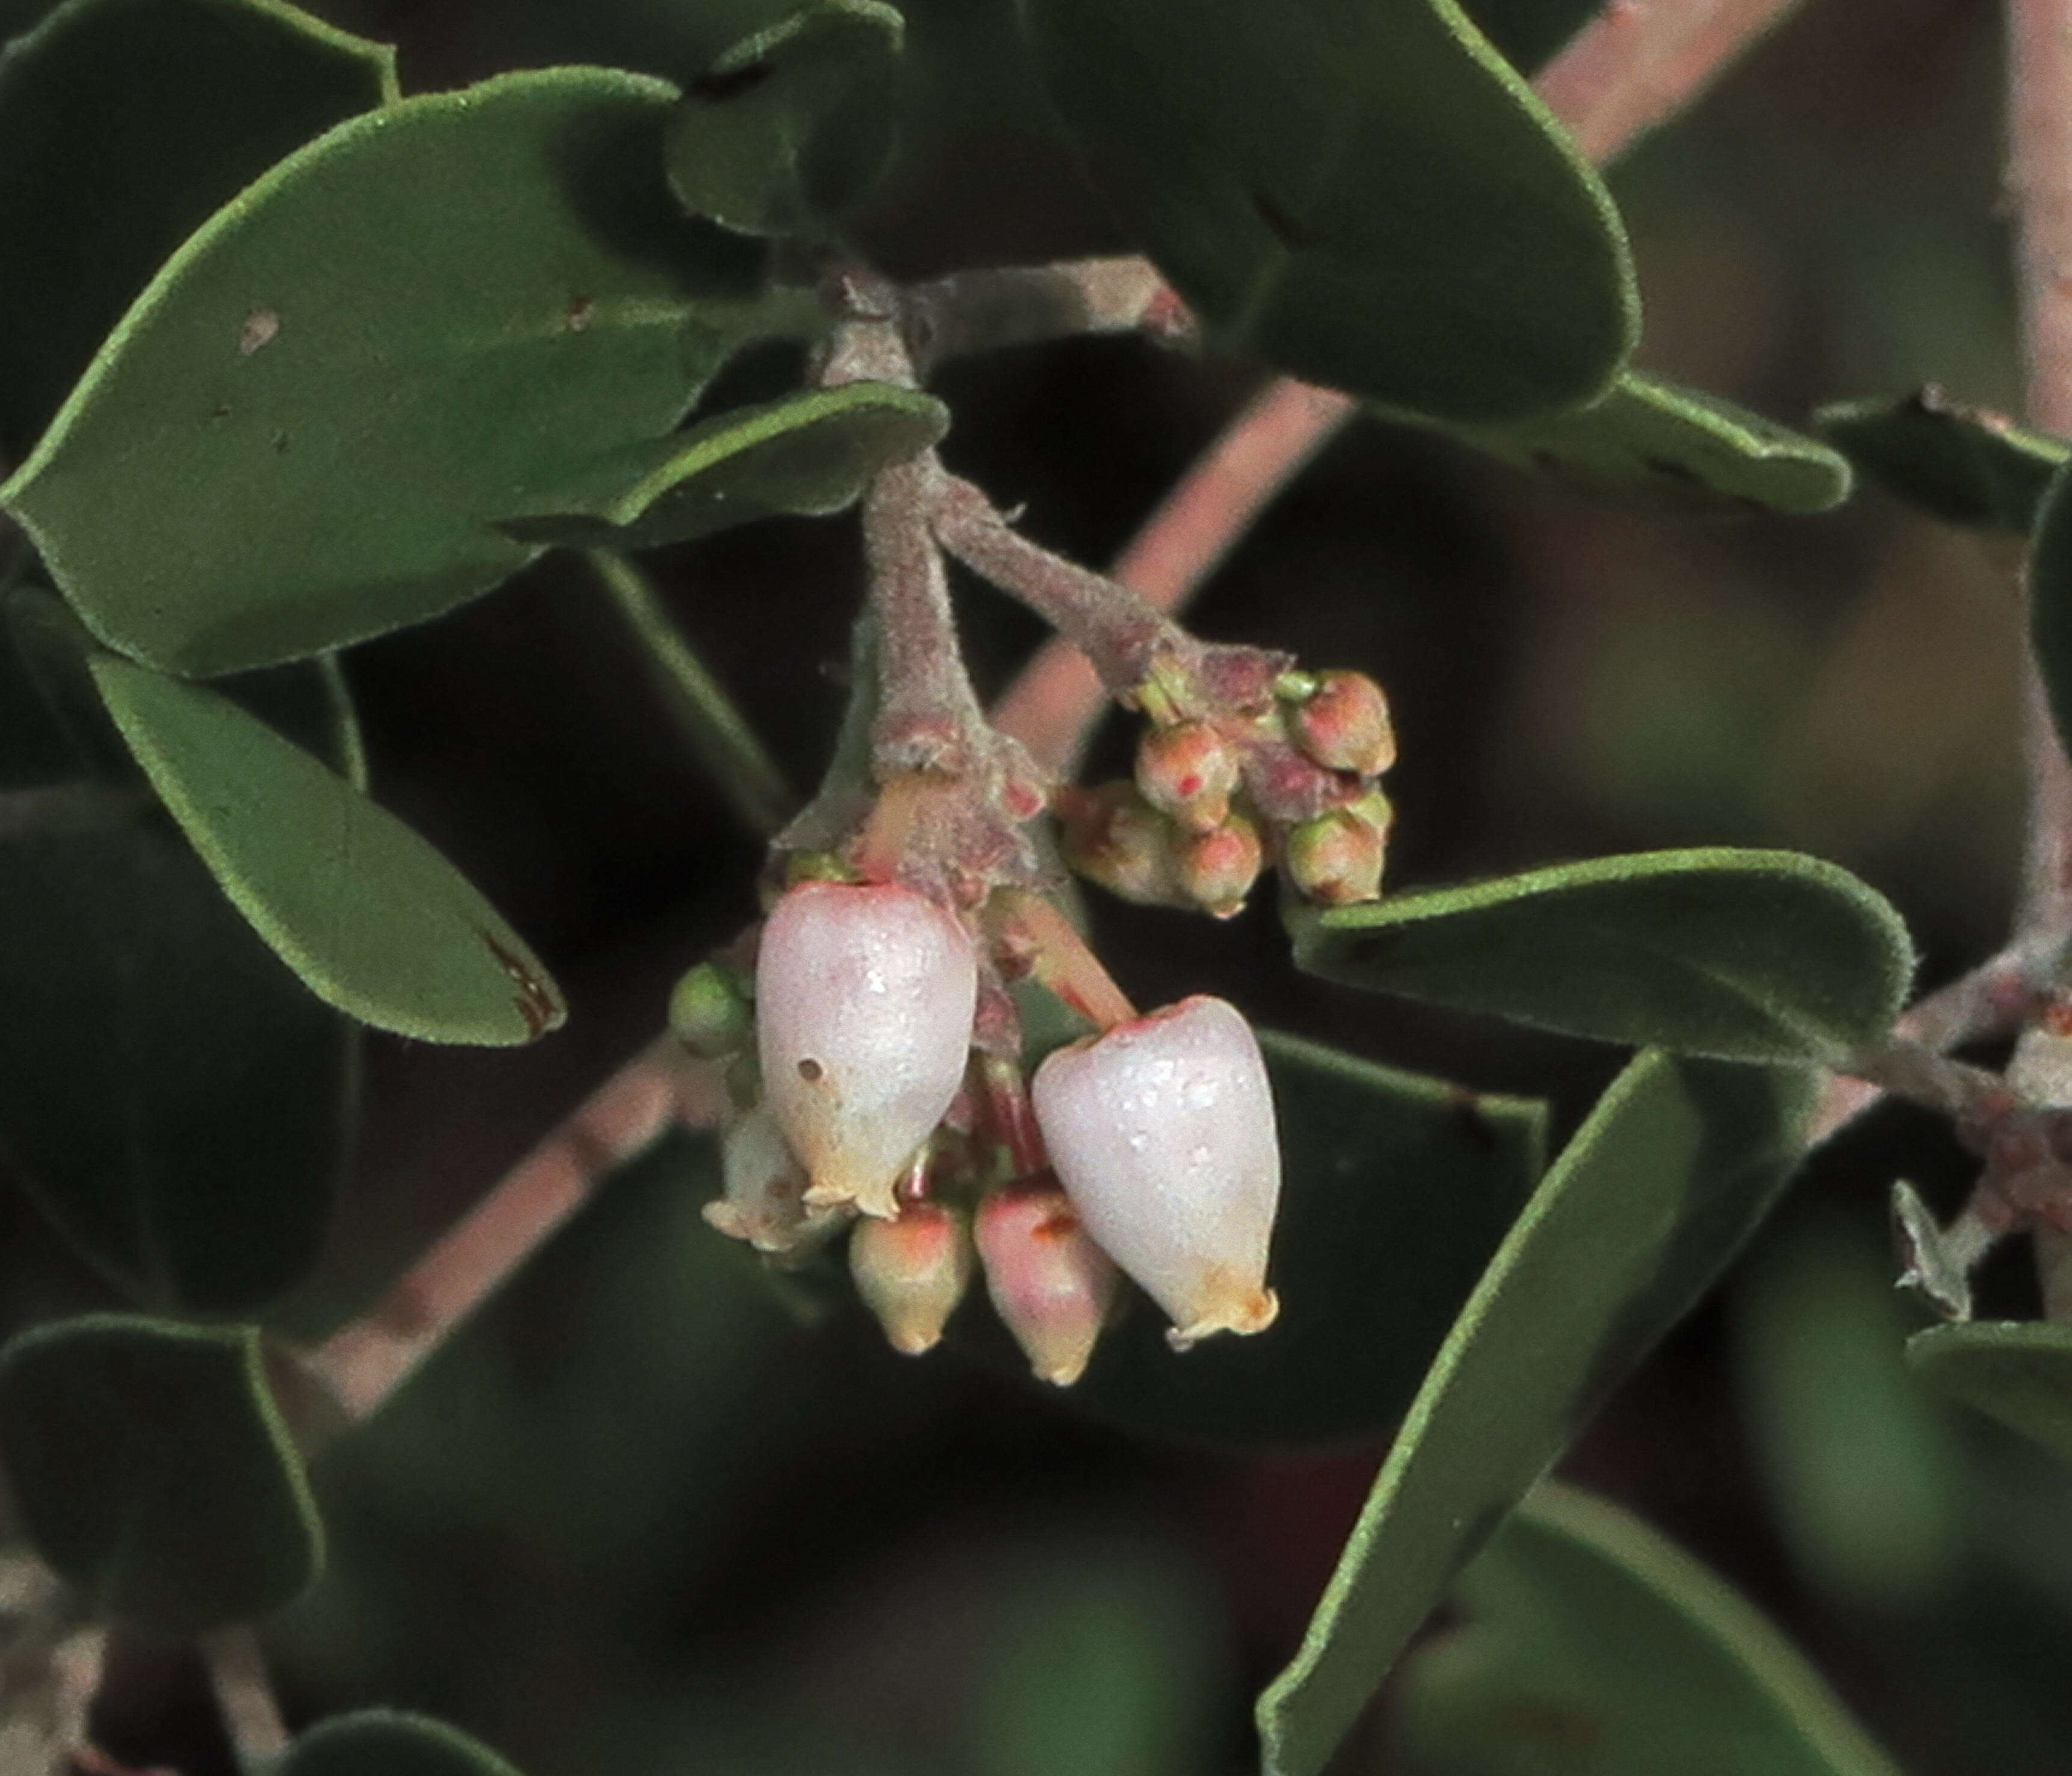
[{"x": 642, "y": 1514}]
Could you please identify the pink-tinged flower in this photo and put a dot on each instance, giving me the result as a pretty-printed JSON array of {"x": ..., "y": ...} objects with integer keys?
[
  {"x": 1161, "y": 1131},
  {"x": 1051, "y": 1285},
  {"x": 911, "y": 1272},
  {"x": 864, "y": 1000},
  {"x": 764, "y": 1200}
]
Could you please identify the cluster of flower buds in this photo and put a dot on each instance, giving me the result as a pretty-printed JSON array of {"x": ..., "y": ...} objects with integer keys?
[
  {"x": 1218, "y": 793},
  {"x": 1148, "y": 1149}
]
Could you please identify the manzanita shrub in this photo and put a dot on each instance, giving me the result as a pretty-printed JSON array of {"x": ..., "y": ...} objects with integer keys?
[{"x": 294, "y": 355}]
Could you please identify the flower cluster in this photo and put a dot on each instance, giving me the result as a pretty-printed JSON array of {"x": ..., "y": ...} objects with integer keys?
[
  {"x": 1217, "y": 790},
  {"x": 1146, "y": 1150}
]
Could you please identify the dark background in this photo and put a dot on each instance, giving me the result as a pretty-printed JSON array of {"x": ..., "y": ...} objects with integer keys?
[{"x": 639, "y": 1516}]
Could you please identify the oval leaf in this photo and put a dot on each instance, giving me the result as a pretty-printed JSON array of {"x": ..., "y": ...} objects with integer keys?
[
  {"x": 124, "y": 124},
  {"x": 790, "y": 127},
  {"x": 1965, "y": 465},
  {"x": 170, "y": 1094},
  {"x": 1571, "y": 1599},
  {"x": 310, "y": 417},
  {"x": 1675, "y": 1166},
  {"x": 374, "y": 920},
  {"x": 1760, "y": 956},
  {"x": 389, "y": 1743},
  {"x": 154, "y": 1472},
  {"x": 810, "y": 454},
  {"x": 1653, "y": 443},
  {"x": 1527, "y": 31},
  {"x": 1367, "y": 195},
  {"x": 2019, "y": 1372},
  {"x": 1397, "y": 1190}
]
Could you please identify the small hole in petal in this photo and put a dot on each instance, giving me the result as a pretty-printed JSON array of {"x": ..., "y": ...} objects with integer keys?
[{"x": 810, "y": 1071}]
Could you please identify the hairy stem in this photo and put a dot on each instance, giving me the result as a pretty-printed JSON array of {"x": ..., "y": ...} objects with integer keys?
[
  {"x": 1025, "y": 304},
  {"x": 719, "y": 737}
]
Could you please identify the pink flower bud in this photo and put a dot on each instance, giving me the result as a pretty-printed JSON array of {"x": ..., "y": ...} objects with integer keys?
[
  {"x": 1161, "y": 1131},
  {"x": 1344, "y": 725},
  {"x": 1051, "y": 1285},
  {"x": 765, "y": 1189},
  {"x": 1218, "y": 869},
  {"x": 1113, "y": 837},
  {"x": 1336, "y": 860},
  {"x": 912, "y": 1272},
  {"x": 864, "y": 1000},
  {"x": 1189, "y": 771}
]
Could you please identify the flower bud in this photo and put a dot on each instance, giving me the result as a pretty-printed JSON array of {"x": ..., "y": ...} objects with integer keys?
[
  {"x": 1344, "y": 726},
  {"x": 864, "y": 1000},
  {"x": 1162, "y": 1131},
  {"x": 911, "y": 1272},
  {"x": 765, "y": 1188},
  {"x": 711, "y": 1015},
  {"x": 1336, "y": 859},
  {"x": 1113, "y": 837},
  {"x": 1218, "y": 869},
  {"x": 1051, "y": 1285},
  {"x": 1188, "y": 771}
]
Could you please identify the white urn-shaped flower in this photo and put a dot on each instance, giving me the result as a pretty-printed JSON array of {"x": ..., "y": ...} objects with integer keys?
[
  {"x": 864, "y": 1000},
  {"x": 1161, "y": 1131},
  {"x": 764, "y": 1198}
]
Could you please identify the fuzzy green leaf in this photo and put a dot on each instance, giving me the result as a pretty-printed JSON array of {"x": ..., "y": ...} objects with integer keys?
[
  {"x": 1365, "y": 194},
  {"x": 124, "y": 124},
  {"x": 1398, "y": 1188},
  {"x": 153, "y": 1471},
  {"x": 1573, "y": 1599},
  {"x": 309, "y": 419},
  {"x": 790, "y": 127},
  {"x": 374, "y": 920},
  {"x": 1758, "y": 956},
  {"x": 810, "y": 454},
  {"x": 1654, "y": 443},
  {"x": 1677, "y": 1164},
  {"x": 1962, "y": 464},
  {"x": 2019, "y": 1372},
  {"x": 170, "y": 1094},
  {"x": 389, "y": 1743}
]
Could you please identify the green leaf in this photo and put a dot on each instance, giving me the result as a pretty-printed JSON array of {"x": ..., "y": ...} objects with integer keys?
[
  {"x": 1757, "y": 955},
  {"x": 170, "y": 1094},
  {"x": 1675, "y": 1166},
  {"x": 124, "y": 124},
  {"x": 1397, "y": 1189},
  {"x": 309, "y": 418},
  {"x": 1654, "y": 443},
  {"x": 1862, "y": 1480},
  {"x": 2019, "y": 1372},
  {"x": 811, "y": 453},
  {"x": 374, "y": 920},
  {"x": 1573, "y": 1600},
  {"x": 1366, "y": 193},
  {"x": 153, "y": 1471},
  {"x": 1527, "y": 32},
  {"x": 2049, "y": 575},
  {"x": 389, "y": 1742},
  {"x": 790, "y": 127},
  {"x": 1962, "y": 464}
]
